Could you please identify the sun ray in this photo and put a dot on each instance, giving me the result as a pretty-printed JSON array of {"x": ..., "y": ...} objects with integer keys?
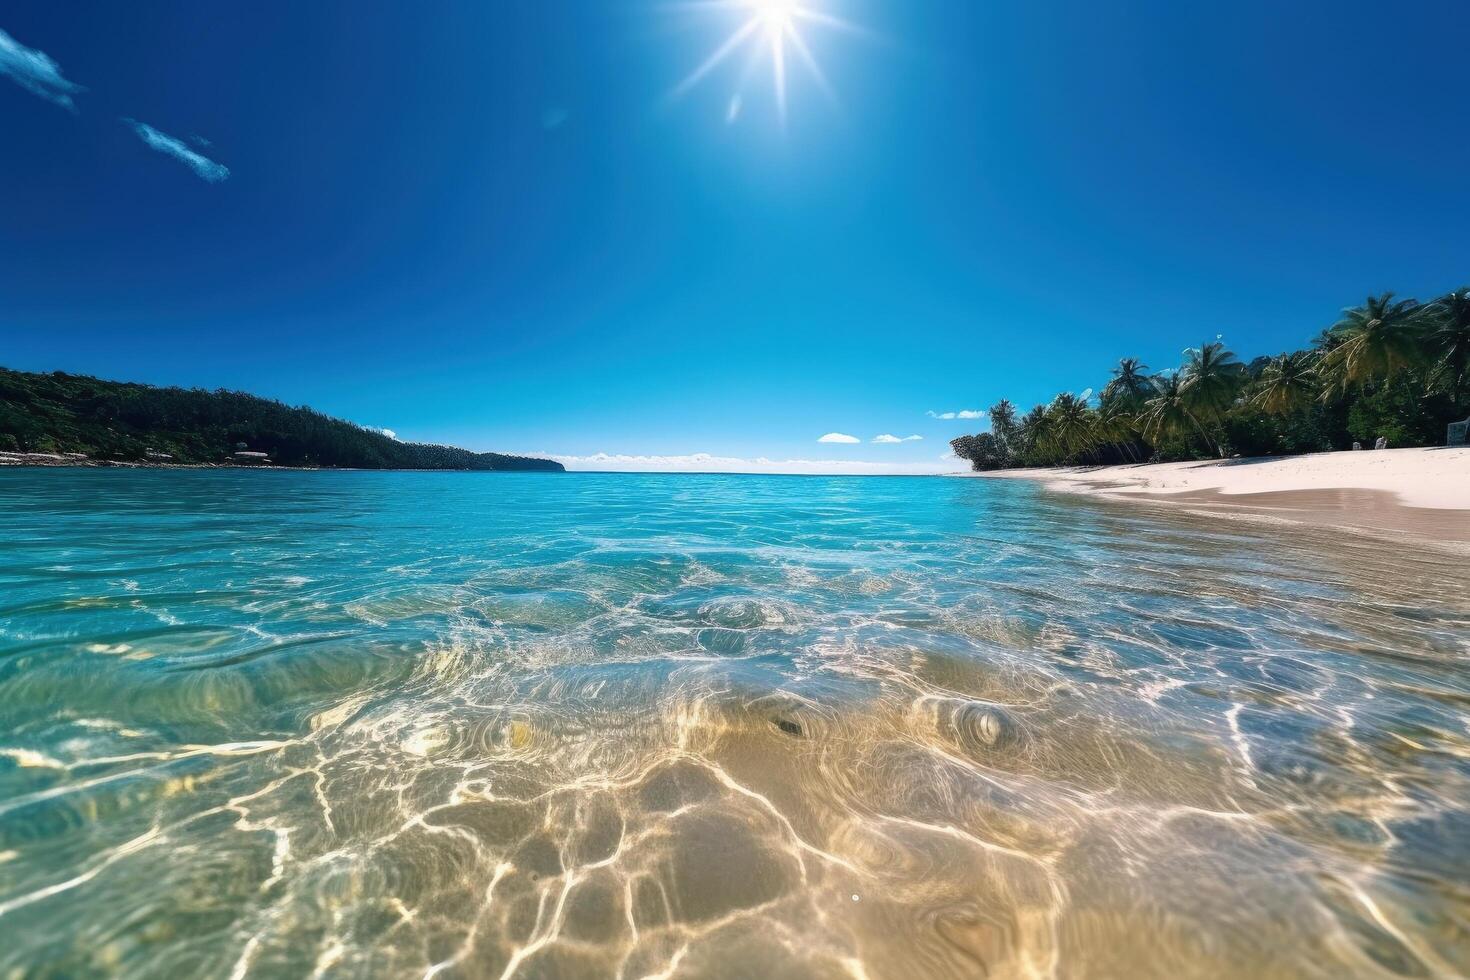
[
  {"x": 768, "y": 28},
  {"x": 805, "y": 53},
  {"x": 737, "y": 101},
  {"x": 778, "y": 62},
  {"x": 828, "y": 20},
  {"x": 720, "y": 54}
]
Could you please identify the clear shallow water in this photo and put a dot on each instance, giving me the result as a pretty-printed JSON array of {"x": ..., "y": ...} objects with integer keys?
[{"x": 266, "y": 724}]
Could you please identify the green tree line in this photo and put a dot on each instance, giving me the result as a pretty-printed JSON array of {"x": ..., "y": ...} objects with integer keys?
[
  {"x": 120, "y": 421},
  {"x": 1396, "y": 369}
]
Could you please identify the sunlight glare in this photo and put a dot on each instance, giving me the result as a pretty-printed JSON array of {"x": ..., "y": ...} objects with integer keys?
[
  {"x": 768, "y": 30},
  {"x": 775, "y": 14}
]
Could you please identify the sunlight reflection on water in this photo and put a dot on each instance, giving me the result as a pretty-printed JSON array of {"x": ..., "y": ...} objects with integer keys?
[{"x": 477, "y": 724}]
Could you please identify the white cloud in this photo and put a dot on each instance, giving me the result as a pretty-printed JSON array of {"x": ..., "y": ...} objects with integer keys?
[
  {"x": 965, "y": 413},
  {"x": 388, "y": 432},
  {"x": 841, "y": 437},
  {"x": 889, "y": 440},
  {"x": 35, "y": 72},
  {"x": 206, "y": 168},
  {"x": 707, "y": 463}
]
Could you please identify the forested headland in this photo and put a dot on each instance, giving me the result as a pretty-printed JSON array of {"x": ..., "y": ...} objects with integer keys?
[{"x": 121, "y": 422}]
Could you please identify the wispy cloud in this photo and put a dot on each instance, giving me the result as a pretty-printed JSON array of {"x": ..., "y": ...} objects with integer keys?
[
  {"x": 35, "y": 72},
  {"x": 889, "y": 440},
  {"x": 965, "y": 413},
  {"x": 709, "y": 463},
  {"x": 841, "y": 437},
  {"x": 206, "y": 168}
]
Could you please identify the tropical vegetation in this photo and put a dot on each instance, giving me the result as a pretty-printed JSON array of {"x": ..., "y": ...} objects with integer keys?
[
  {"x": 1391, "y": 368},
  {"x": 111, "y": 421}
]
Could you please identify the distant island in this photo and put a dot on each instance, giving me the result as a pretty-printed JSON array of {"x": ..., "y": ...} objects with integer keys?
[{"x": 67, "y": 418}]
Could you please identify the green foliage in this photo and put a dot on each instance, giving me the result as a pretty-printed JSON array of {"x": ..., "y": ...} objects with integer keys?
[
  {"x": 1131, "y": 385},
  {"x": 983, "y": 451},
  {"x": 1168, "y": 416},
  {"x": 1392, "y": 368},
  {"x": 1114, "y": 428},
  {"x": 1209, "y": 380},
  {"x": 1287, "y": 384},
  {"x": 1038, "y": 444},
  {"x": 109, "y": 420},
  {"x": 1250, "y": 431},
  {"x": 1447, "y": 344},
  {"x": 1402, "y": 411},
  {"x": 1071, "y": 425},
  {"x": 1003, "y": 427},
  {"x": 1375, "y": 341}
]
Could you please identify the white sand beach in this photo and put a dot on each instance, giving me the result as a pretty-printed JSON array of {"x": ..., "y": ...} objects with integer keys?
[{"x": 1416, "y": 490}]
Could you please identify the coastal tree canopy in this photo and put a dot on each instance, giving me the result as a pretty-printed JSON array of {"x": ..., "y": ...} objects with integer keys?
[
  {"x": 125, "y": 422},
  {"x": 1399, "y": 369}
]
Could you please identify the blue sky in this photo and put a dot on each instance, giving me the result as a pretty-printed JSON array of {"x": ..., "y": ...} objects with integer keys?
[{"x": 505, "y": 225}]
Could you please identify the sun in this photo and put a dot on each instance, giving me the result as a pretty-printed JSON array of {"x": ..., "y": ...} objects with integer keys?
[
  {"x": 767, "y": 30},
  {"x": 775, "y": 14}
]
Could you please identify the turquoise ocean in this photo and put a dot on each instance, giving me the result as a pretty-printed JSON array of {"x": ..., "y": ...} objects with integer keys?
[{"x": 292, "y": 724}]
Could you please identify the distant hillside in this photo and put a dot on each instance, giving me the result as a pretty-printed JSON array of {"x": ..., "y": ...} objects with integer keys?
[{"x": 119, "y": 421}]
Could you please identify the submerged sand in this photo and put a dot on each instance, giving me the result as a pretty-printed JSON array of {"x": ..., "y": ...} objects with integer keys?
[
  {"x": 394, "y": 726},
  {"x": 1425, "y": 492}
]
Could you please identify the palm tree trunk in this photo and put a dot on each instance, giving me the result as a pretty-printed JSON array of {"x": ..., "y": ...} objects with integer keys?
[{"x": 1209, "y": 444}]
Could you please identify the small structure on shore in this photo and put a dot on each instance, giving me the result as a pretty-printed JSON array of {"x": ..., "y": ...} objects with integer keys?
[
  {"x": 1456, "y": 433},
  {"x": 253, "y": 458}
]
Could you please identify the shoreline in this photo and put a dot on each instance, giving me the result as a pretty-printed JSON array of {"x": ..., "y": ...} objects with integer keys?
[
  {"x": 63, "y": 461},
  {"x": 1424, "y": 491},
  {"x": 51, "y": 461}
]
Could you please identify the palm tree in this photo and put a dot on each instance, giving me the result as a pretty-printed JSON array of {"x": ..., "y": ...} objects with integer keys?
[
  {"x": 1288, "y": 383},
  {"x": 1447, "y": 341},
  {"x": 1375, "y": 342},
  {"x": 1003, "y": 425},
  {"x": 1113, "y": 425},
  {"x": 1130, "y": 384},
  {"x": 1208, "y": 382},
  {"x": 1168, "y": 413},
  {"x": 1037, "y": 433},
  {"x": 1211, "y": 378},
  {"x": 1072, "y": 422}
]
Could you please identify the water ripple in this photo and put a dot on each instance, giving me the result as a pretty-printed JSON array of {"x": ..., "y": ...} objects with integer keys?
[{"x": 258, "y": 724}]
